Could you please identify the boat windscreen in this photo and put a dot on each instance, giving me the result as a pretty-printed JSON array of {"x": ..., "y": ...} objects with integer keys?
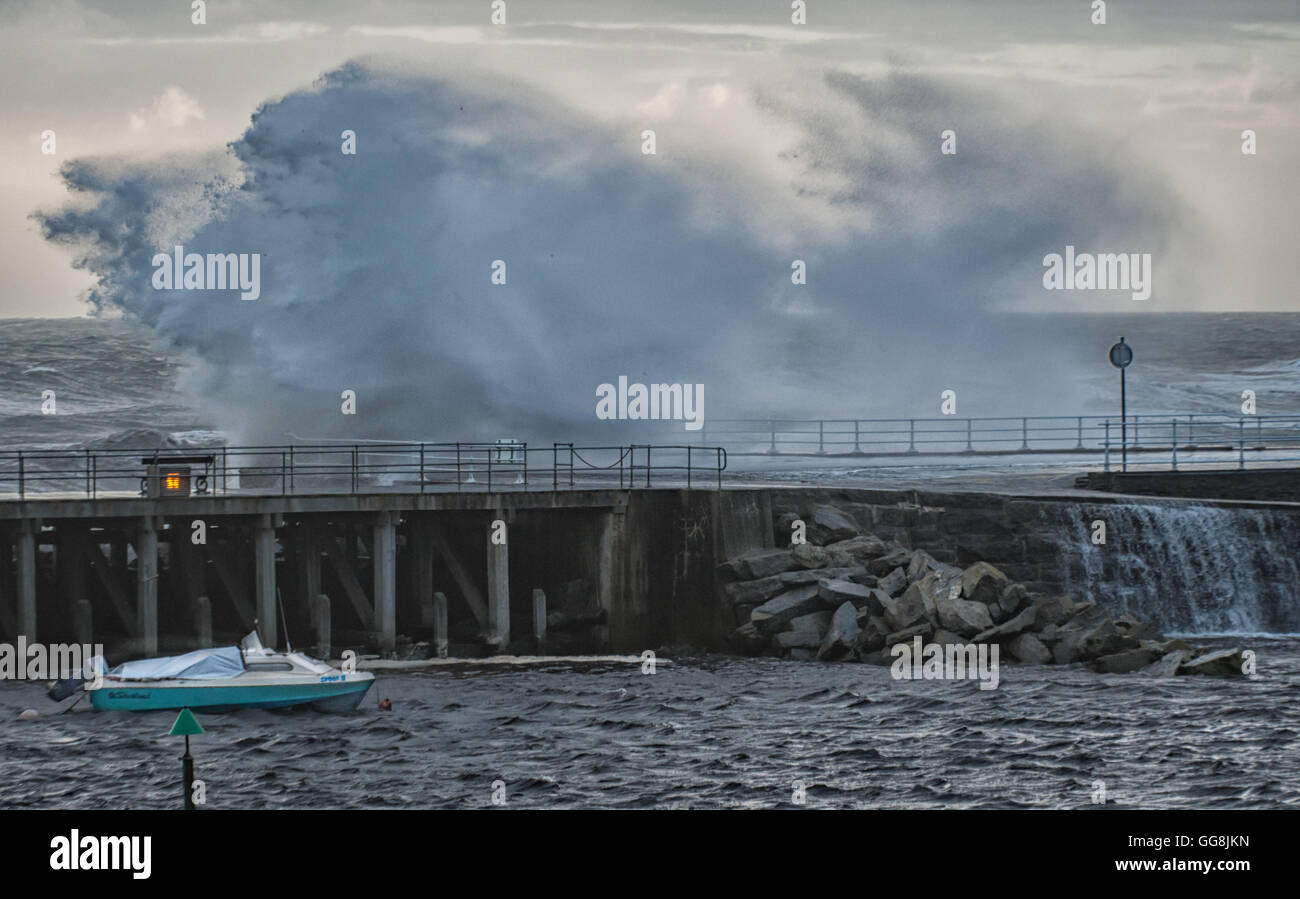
[{"x": 202, "y": 664}]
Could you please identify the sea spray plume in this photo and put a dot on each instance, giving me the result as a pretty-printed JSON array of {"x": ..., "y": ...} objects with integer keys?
[
  {"x": 376, "y": 267},
  {"x": 375, "y": 271}
]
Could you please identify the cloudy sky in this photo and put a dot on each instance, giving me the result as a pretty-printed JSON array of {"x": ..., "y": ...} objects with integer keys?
[{"x": 1167, "y": 86}]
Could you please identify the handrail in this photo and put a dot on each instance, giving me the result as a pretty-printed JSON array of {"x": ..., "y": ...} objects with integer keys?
[{"x": 297, "y": 469}]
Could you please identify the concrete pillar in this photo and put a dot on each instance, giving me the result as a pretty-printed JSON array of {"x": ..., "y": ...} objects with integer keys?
[
  {"x": 440, "y": 625},
  {"x": 539, "y": 618},
  {"x": 26, "y": 621},
  {"x": 83, "y": 623},
  {"x": 146, "y": 585},
  {"x": 264, "y": 574},
  {"x": 498, "y": 575},
  {"x": 609, "y": 581},
  {"x": 71, "y": 559},
  {"x": 203, "y": 621},
  {"x": 384, "y": 562},
  {"x": 419, "y": 548},
  {"x": 321, "y": 625},
  {"x": 308, "y": 552}
]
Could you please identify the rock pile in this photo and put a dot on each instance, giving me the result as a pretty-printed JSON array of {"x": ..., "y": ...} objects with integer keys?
[{"x": 849, "y": 596}]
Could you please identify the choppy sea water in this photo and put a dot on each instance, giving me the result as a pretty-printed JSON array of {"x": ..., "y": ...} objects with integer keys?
[{"x": 701, "y": 733}]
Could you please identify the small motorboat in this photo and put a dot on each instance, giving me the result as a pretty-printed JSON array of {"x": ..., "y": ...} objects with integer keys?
[{"x": 225, "y": 678}]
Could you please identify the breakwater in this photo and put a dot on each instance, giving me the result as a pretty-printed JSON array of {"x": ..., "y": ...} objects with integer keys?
[{"x": 585, "y": 571}]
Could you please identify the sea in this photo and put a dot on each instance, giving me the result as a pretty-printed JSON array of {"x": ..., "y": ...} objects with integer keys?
[{"x": 702, "y": 731}]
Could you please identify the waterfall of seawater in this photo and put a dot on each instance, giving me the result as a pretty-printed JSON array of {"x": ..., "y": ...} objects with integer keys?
[{"x": 1186, "y": 568}]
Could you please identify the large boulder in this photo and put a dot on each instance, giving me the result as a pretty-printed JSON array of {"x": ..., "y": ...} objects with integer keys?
[
  {"x": 1009, "y": 628},
  {"x": 872, "y": 631},
  {"x": 813, "y": 575},
  {"x": 773, "y": 615},
  {"x": 810, "y": 555},
  {"x": 1131, "y": 627},
  {"x": 963, "y": 616},
  {"x": 818, "y": 622},
  {"x": 1013, "y": 599},
  {"x": 757, "y": 563},
  {"x": 858, "y": 549},
  {"x": 1224, "y": 663},
  {"x": 801, "y": 639},
  {"x": 915, "y": 605},
  {"x": 1088, "y": 636},
  {"x": 1126, "y": 660},
  {"x": 895, "y": 558},
  {"x": 923, "y": 629},
  {"x": 827, "y": 524},
  {"x": 920, "y": 564},
  {"x": 1029, "y": 649},
  {"x": 754, "y": 592},
  {"x": 835, "y": 592},
  {"x": 983, "y": 583},
  {"x": 1168, "y": 664},
  {"x": 1051, "y": 609},
  {"x": 838, "y": 642},
  {"x": 894, "y": 583}
]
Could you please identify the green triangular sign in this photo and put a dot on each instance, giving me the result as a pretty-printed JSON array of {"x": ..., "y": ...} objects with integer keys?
[{"x": 186, "y": 725}]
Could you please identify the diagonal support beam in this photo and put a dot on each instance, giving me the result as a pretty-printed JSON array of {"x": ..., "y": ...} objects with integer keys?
[
  {"x": 460, "y": 574},
  {"x": 348, "y": 578}
]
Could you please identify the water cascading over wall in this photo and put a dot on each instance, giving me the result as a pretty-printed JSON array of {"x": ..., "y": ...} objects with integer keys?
[{"x": 1187, "y": 568}]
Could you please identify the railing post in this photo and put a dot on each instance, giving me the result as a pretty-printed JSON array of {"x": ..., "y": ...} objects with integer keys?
[
  {"x": 969, "y": 447},
  {"x": 291, "y": 468},
  {"x": 772, "y": 427},
  {"x": 647, "y": 465},
  {"x": 1241, "y": 444},
  {"x": 911, "y": 435},
  {"x": 225, "y": 487},
  {"x": 421, "y": 466},
  {"x": 718, "y": 451},
  {"x": 88, "y": 471},
  {"x": 1106, "y": 445},
  {"x": 688, "y": 466},
  {"x": 94, "y": 479},
  {"x": 458, "y": 475},
  {"x": 1079, "y": 445},
  {"x": 1173, "y": 441},
  {"x": 284, "y": 473},
  {"x": 1024, "y": 433},
  {"x": 354, "y": 469},
  {"x": 489, "y": 481},
  {"x": 525, "y": 451},
  {"x": 22, "y": 476},
  {"x": 821, "y": 437},
  {"x": 857, "y": 446}
]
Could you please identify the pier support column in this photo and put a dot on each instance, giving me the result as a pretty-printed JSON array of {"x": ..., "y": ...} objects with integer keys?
[
  {"x": 320, "y": 625},
  {"x": 264, "y": 560},
  {"x": 539, "y": 619},
  {"x": 26, "y": 578},
  {"x": 384, "y": 559},
  {"x": 203, "y": 621},
  {"x": 83, "y": 622},
  {"x": 146, "y": 585},
  {"x": 440, "y": 625},
  {"x": 498, "y": 576},
  {"x": 308, "y": 552}
]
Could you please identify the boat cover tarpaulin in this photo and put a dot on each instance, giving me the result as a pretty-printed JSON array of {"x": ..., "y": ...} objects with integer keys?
[{"x": 202, "y": 664}]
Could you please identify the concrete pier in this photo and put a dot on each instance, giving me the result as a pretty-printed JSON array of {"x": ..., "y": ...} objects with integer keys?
[
  {"x": 412, "y": 575},
  {"x": 146, "y": 585}
]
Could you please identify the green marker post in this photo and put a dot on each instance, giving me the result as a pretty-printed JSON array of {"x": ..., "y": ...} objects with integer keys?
[{"x": 187, "y": 724}]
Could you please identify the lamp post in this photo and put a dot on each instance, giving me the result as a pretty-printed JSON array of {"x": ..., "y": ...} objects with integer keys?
[{"x": 1121, "y": 356}]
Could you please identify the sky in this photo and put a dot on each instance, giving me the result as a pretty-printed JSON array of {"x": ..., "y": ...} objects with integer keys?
[
  {"x": 1170, "y": 85},
  {"x": 775, "y": 142}
]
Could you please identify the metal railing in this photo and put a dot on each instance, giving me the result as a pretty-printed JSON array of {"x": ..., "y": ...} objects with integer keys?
[
  {"x": 1162, "y": 435},
  {"x": 367, "y": 468}
]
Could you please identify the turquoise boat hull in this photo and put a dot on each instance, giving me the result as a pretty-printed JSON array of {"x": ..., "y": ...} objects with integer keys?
[{"x": 338, "y": 696}]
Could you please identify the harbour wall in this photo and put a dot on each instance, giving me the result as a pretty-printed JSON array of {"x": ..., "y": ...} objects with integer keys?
[{"x": 624, "y": 570}]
